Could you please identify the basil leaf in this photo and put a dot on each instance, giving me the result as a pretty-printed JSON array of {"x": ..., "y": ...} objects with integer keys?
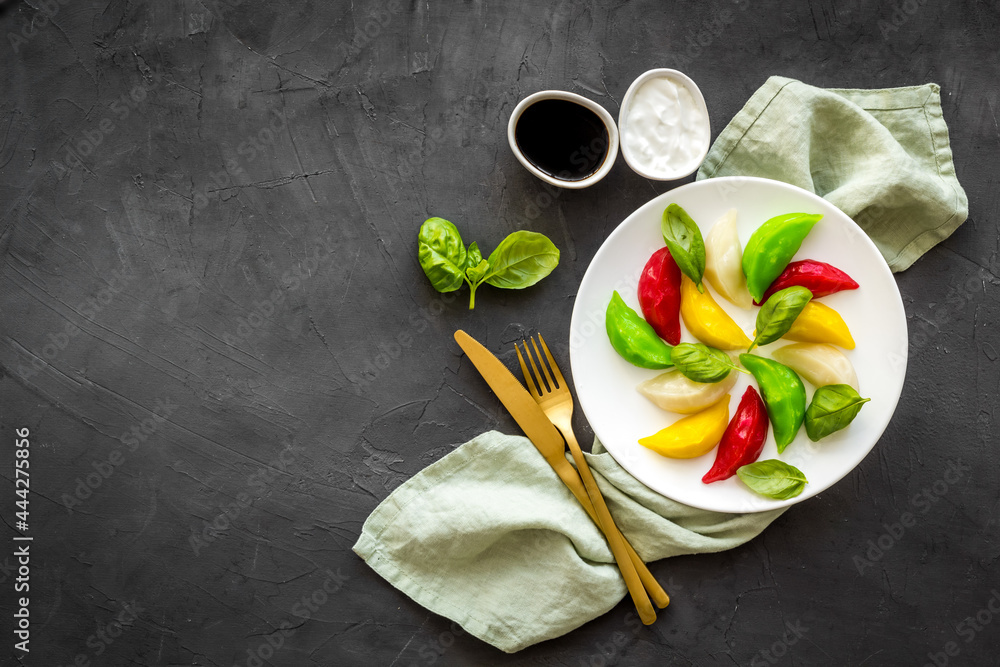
[
  {"x": 778, "y": 314},
  {"x": 773, "y": 479},
  {"x": 683, "y": 237},
  {"x": 475, "y": 273},
  {"x": 474, "y": 256},
  {"x": 701, "y": 363},
  {"x": 521, "y": 260},
  {"x": 442, "y": 254},
  {"x": 833, "y": 407}
]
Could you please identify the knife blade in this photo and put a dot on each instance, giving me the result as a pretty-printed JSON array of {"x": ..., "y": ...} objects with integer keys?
[{"x": 547, "y": 440}]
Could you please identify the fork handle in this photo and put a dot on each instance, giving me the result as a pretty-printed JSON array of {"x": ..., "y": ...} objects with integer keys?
[
  {"x": 571, "y": 479},
  {"x": 635, "y": 588}
]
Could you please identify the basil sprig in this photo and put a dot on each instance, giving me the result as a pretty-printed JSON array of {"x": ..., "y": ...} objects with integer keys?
[
  {"x": 773, "y": 479},
  {"x": 683, "y": 238},
  {"x": 521, "y": 259},
  {"x": 701, "y": 363},
  {"x": 474, "y": 257},
  {"x": 778, "y": 314},
  {"x": 833, "y": 407}
]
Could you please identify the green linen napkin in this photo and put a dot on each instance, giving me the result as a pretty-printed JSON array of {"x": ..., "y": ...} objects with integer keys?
[
  {"x": 490, "y": 538},
  {"x": 881, "y": 156}
]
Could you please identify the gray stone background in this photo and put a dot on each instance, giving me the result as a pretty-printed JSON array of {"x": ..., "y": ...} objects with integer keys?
[{"x": 209, "y": 299}]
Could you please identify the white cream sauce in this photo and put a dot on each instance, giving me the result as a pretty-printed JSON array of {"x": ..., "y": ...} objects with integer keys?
[{"x": 666, "y": 128}]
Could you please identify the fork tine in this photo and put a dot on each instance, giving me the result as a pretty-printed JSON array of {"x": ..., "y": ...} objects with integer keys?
[
  {"x": 543, "y": 388},
  {"x": 541, "y": 362},
  {"x": 552, "y": 363},
  {"x": 529, "y": 378}
]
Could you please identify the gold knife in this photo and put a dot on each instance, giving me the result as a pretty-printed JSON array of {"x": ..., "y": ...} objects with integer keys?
[{"x": 549, "y": 442}]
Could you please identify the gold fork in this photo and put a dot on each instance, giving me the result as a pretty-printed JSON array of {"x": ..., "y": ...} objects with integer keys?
[{"x": 554, "y": 397}]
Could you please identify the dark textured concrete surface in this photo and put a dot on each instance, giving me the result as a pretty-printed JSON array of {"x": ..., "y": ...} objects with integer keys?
[{"x": 214, "y": 326}]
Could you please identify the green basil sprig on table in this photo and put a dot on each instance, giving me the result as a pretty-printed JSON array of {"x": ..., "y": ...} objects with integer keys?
[
  {"x": 773, "y": 479},
  {"x": 833, "y": 407},
  {"x": 683, "y": 238},
  {"x": 701, "y": 363},
  {"x": 521, "y": 259},
  {"x": 778, "y": 314}
]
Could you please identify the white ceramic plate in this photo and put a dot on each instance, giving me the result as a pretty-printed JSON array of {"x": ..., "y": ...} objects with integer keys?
[{"x": 605, "y": 383}]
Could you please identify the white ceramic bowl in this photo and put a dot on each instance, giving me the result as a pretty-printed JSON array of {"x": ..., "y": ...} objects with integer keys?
[
  {"x": 606, "y": 118},
  {"x": 678, "y": 78}
]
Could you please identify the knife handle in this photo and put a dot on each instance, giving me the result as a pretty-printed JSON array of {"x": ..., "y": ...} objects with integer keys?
[{"x": 571, "y": 479}]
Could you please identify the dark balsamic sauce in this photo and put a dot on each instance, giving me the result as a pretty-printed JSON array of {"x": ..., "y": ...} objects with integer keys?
[{"x": 563, "y": 139}]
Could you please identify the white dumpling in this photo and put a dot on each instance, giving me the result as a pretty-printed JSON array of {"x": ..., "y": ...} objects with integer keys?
[
  {"x": 724, "y": 261},
  {"x": 819, "y": 363},
  {"x": 673, "y": 392}
]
